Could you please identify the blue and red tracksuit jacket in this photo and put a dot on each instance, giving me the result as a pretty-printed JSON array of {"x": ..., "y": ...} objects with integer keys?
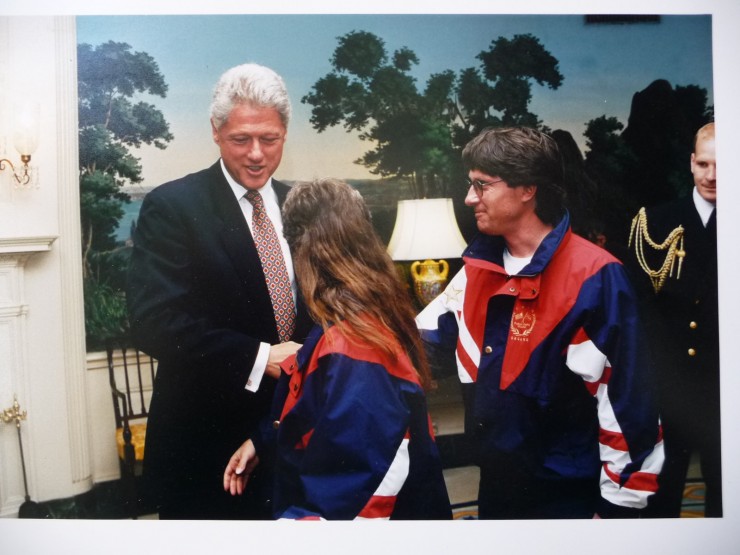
[
  {"x": 353, "y": 436},
  {"x": 556, "y": 358}
]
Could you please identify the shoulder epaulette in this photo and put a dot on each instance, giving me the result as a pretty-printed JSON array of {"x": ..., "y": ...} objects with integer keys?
[{"x": 673, "y": 244}]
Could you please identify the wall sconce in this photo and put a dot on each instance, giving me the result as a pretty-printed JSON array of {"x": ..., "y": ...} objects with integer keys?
[
  {"x": 25, "y": 140},
  {"x": 426, "y": 229}
]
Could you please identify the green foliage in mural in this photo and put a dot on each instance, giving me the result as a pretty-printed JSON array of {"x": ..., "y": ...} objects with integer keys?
[{"x": 112, "y": 121}]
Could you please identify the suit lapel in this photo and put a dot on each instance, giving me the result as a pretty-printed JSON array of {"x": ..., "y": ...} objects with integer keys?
[
  {"x": 237, "y": 241},
  {"x": 239, "y": 245},
  {"x": 281, "y": 191},
  {"x": 701, "y": 249},
  {"x": 699, "y": 239}
]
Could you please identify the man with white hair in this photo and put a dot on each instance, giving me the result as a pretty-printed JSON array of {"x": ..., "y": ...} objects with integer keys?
[{"x": 212, "y": 296}]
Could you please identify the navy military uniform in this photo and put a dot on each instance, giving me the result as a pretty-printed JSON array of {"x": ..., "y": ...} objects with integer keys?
[{"x": 682, "y": 321}]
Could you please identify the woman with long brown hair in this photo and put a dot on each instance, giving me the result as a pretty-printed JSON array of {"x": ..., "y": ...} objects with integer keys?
[{"x": 353, "y": 435}]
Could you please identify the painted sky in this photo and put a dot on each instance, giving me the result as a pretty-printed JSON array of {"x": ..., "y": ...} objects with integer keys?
[{"x": 602, "y": 65}]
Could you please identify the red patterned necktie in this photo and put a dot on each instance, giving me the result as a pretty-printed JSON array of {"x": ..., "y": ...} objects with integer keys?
[{"x": 273, "y": 264}]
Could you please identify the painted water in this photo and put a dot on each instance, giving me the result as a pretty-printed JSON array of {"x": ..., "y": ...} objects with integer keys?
[{"x": 130, "y": 214}]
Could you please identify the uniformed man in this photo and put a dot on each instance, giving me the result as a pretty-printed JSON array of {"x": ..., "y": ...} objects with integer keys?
[{"x": 675, "y": 247}]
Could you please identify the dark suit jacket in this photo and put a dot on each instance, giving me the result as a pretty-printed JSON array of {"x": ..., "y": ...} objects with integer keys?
[
  {"x": 198, "y": 302},
  {"x": 682, "y": 319}
]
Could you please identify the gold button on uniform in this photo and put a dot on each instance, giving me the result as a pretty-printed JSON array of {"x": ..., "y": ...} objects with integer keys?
[
  {"x": 488, "y": 350},
  {"x": 276, "y": 424},
  {"x": 692, "y": 352},
  {"x": 693, "y": 325}
]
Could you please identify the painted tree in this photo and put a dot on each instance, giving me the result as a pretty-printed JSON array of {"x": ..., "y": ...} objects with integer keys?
[
  {"x": 418, "y": 133},
  {"x": 646, "y": 162},
  {"x": 607, "y": 161},
  {"x": 112, "y": 122},
  {"x": 374, "y": 94},
  {"x": 500, "y": 94}
]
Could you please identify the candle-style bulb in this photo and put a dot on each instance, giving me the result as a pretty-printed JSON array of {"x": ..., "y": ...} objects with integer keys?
[{"x": 26, "y": 128}]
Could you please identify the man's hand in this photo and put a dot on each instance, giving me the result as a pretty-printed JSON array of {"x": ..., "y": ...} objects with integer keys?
[
  {"x": 278, "y": 353},
  {"x": 240, "y": 466}
]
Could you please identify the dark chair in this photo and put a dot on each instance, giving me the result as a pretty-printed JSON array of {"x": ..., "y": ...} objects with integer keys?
[{"x": 131, "y": 375}]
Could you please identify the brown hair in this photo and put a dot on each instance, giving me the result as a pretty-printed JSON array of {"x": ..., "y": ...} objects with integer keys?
[
  {"x": 344, "y": 271},
  {"x": 521, "y": 156}
]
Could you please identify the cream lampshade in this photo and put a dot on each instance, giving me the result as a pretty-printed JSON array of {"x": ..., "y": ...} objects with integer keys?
[{"x": 426, "y": 232}]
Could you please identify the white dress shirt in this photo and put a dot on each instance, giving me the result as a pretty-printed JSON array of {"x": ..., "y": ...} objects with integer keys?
[
  {"x": 273, "y": 212},
  {"x": 703, "y": 207}
]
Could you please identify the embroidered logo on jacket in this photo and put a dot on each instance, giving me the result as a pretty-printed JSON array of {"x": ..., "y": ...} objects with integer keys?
[{"x": 523, "y": 320}]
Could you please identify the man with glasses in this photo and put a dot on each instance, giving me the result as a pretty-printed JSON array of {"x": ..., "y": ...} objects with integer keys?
[{"x": 548, "y": 347}]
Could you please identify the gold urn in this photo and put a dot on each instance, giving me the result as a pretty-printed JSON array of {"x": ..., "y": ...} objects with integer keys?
[{"x": 429, "y": 278}]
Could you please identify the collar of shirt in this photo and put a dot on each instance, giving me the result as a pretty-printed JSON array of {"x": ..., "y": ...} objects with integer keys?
[
  {"x": 273, "y": 212},
  {"x": 514, "y": 264},
  {"x": 703, "y": 207},
  {"x": 268, "y": 196}
]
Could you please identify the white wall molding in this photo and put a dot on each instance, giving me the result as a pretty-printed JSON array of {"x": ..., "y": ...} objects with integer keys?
[
  {"x": 42, "y": 332},
  {"x": 27, "y": 245},
  {"x": 67, "y": 182},
  {"x": 14, "y": 254}
]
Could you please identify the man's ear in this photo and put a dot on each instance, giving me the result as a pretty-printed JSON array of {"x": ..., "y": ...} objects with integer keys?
[
  {"x": 214, "y": 132},
  {"x": 528, "y": 192}
]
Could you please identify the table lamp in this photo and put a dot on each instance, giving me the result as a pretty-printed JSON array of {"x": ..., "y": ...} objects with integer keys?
[{"x": 425, "y": 233}]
